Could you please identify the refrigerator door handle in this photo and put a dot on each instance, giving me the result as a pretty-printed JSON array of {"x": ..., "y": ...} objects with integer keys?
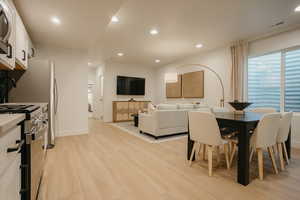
[{"x": 56, "y": 96}]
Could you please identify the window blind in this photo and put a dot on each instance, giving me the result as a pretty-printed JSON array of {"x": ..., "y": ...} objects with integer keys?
[
  {"x": 292, "y": 81},
  {"x": 264, "y": 81}
]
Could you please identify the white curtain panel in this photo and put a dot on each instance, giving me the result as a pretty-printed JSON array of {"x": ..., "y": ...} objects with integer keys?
[{"x": 239, "y": 57}]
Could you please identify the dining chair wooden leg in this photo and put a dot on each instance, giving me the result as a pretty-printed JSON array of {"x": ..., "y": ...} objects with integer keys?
[
  {"x": 210, "y": 150},
  {"x": 280, "y": 155},
  {"x": 274, "y": 150},
  {"x": 285, "y": 153},
  {"x": 193, "y": 153},
  {"x": 199, "y": 151},
  {"x": 204, "y": 152},
  {"x": 251, "y": 154},
  {"x": 218, "y": 155},
  {"x": 271, "y": 154},
  {"x": 260, "y": 163},
  {"x": 230, "y": 145},
  {"x": 234, "y": 148},
  {"x": 226, "y": 151}
]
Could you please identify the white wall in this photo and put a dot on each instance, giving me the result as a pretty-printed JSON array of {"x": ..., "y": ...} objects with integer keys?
[
  {"x": 71, "y": 73},
  {"x": 110, "y": 84},
  {"x": 275, "y": 43},
  {"x": 219, "y": 60}
]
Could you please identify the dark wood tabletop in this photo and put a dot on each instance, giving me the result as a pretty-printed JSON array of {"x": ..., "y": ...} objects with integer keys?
[{"x": 246, "y": 117}]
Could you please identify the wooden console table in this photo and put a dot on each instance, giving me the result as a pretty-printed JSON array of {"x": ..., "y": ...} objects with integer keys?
[{"x": 123, "y": 110}]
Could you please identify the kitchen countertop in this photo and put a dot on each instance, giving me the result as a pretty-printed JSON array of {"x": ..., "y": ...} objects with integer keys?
[
  {"x": 43, "y": 105},
  {"x": 8, "y": 121}
]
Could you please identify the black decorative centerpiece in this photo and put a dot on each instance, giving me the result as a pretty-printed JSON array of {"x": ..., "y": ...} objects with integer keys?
[{"x": 239, "y": 106}]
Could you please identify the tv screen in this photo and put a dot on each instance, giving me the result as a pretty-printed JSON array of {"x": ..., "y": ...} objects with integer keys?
[{"x": 130, "y": 85}]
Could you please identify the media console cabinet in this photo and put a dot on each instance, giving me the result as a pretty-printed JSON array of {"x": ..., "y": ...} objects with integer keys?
[{"x": 122, "y": 110}]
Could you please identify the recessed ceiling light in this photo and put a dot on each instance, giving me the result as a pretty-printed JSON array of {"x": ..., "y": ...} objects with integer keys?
[
  {"x": 153, "y": 31},
  {"x": 297, "y": 9},
  {"x": 199, "y": 46},
  {"x": 120, "y": 54},
  {"x": 55, "y": 20},
  {"x": 115, "y": 19},
  {"x": 157, "y": 61},
  {"x": 89, "y": 63}
]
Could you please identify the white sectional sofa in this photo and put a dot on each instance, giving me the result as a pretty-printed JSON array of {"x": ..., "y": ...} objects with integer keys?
[{"x": 167, "y": 119}]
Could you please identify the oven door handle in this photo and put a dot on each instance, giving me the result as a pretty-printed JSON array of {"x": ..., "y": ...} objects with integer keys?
[
  {"x": 16, "y": 148},
  {"x": 39, "y": 133}
]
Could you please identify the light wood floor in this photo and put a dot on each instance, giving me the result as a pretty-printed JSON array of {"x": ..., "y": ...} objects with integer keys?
[{"x": 111, "y": 164}]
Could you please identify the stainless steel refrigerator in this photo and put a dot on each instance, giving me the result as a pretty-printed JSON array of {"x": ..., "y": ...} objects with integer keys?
[{"x": 38, "y": 85}]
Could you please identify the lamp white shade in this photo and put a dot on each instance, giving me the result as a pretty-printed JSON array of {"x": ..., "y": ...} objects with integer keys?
[{"x": 171, "y": 77}]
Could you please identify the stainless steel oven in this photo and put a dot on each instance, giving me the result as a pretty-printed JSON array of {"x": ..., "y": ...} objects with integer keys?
[
  {"x": 5, "y": 28},
  {"x": 38, "y": 126}
]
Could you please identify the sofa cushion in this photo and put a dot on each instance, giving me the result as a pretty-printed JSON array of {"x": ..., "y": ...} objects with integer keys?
[
  {"x": 204, "y": 109},
  {"x": 167, "y": 107},
  {"x": 200, "y": 106},
  {"x": 171, "y": 118},
  {"x": 186, "y": 106}
]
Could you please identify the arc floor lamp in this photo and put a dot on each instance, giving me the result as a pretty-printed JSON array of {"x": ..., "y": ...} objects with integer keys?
[{"x": 172, "y": 77}]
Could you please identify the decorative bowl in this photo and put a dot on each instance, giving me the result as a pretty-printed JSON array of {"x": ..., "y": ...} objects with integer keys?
[{"x": 239, "y": 106}]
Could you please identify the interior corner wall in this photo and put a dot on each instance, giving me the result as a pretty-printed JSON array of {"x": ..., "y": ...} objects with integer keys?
[
  {"x": 71, "y": 72},
  {"x": 219, "y": 60},
  {"x": 112, "y": 70}
]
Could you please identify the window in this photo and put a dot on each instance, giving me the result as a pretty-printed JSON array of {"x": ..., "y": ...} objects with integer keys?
[
  {"x": 292, "y": 81},
  {"x": 265, "y": 86},
  {"x": 264, "y": 81}
]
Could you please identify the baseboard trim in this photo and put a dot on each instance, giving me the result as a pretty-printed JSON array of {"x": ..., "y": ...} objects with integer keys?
[
  {"x": 72, "y": 133},
  {"x": 296, "y": 144}
]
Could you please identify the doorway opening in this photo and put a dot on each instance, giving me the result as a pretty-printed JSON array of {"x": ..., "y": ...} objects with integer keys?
[
  {"x": 95, "y": 93},
  {"x": 91, "y": 100}
]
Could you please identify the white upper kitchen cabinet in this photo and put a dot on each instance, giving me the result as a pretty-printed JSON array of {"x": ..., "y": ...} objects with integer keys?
[
  {"x": 31, "y": 49},
  {"x": 8, "y": 60},
  {"x": 21, "y": 44}
]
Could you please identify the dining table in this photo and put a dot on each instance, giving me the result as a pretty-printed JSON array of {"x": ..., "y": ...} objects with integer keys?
[{"x": 245, "y": 125}]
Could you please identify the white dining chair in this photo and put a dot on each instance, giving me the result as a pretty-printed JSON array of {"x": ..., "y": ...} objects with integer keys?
[
  {"x": 203, "y": 146},
  {"x": 227, "y": 133},
  {"x": 204, "y": 130},
  {"x": 283, "y": 133},
  {"x": 264, "y": 137},
  {"x": 263, "y": 110},
  {"x": 234, "y": 143}
]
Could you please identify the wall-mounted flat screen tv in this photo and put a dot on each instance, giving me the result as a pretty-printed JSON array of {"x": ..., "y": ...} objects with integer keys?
[{"x": 130, "y": 85}]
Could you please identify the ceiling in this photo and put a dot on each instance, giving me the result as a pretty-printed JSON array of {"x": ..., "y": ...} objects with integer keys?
[{"x": 181, "y": 24}]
